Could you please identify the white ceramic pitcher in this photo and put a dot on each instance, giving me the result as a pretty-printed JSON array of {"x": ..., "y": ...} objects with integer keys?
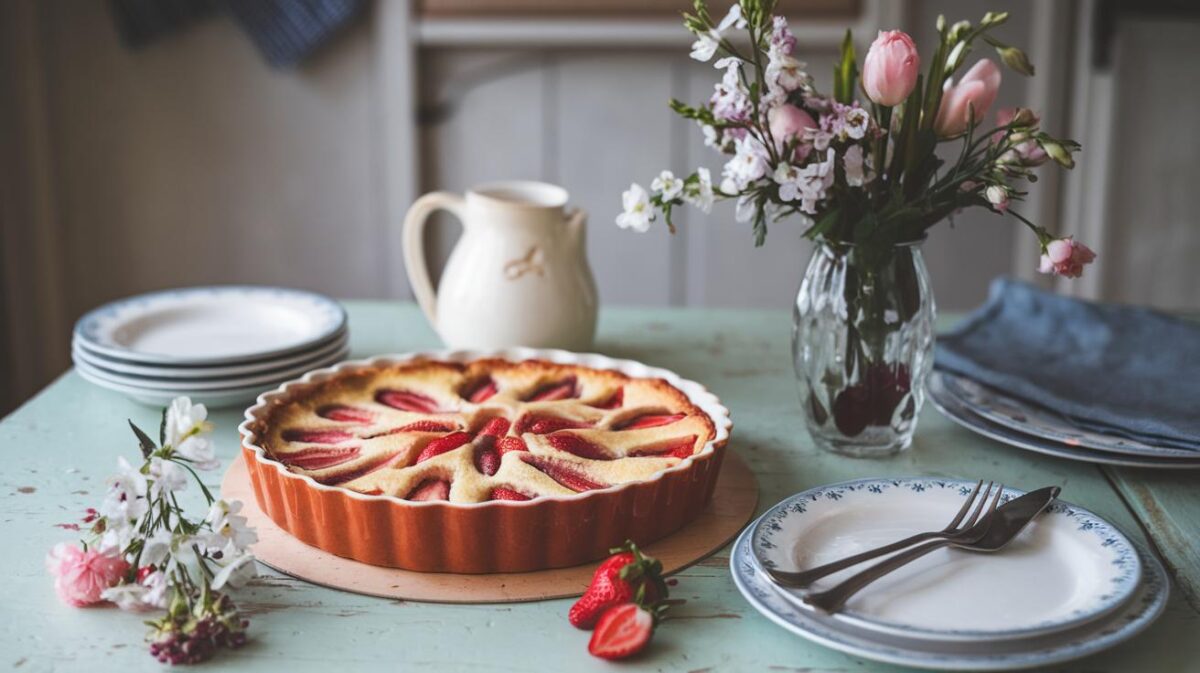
[{"x": 519, "y": 275}]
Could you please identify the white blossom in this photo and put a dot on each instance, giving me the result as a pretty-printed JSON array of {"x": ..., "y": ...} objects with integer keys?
[
  {"x": 126, "y": 497},
  {"x": 166, "y": 477},
  {"x": 638, "y": 214},
  {"x": 852, "y": 162},
  {"x": 749, "y": 163},
  {"x": 186, "y": 423},
  {"x": 787, "y": 177},
  {"x": 235, "y": 571},
  {"x": 668, "y": 185},
  {"x": 700, "y": 194},
  {"x": 745, "y": 209},
  {"x": 157, "y": 548},
  {"x": 157, "y": 590},
  {"x": 229, "y": 530},
  {"x": 129, "y": 596},
  {"x": 706, "y": 44},
  {"x": 856, "y": 123}
]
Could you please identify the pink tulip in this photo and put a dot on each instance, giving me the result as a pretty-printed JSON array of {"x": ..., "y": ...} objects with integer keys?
[
  {"x": 969, "y": 99},
  {"x": 81, "y": 576},
  {"x": 1066, "y": 257},
  {"x": 890, "y": 69}
]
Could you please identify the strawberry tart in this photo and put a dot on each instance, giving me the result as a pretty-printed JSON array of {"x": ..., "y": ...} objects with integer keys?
[{"x": 455, "y": 463}]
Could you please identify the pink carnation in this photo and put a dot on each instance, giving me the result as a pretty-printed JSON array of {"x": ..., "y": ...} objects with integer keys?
[
  {"x": 80, "y": 576},
  {"x": 1066, "y": 257}
]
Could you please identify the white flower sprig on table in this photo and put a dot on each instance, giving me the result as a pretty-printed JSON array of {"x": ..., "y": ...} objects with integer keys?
[
  {"x": 857, "y": 172},
  {"x": 142, "y": 552}
]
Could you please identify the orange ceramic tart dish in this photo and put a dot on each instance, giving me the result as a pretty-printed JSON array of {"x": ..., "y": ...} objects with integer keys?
[{"x": 453, "y": 463}]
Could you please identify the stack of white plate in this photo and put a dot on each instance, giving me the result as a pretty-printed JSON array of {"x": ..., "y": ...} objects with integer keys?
[
  {"x": 1070, "y": 585},
  {"x": 218, "y": 345},
  {"x": 1013, "y": 421}
]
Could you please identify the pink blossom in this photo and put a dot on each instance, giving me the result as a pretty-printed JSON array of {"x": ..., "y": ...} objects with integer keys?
[
  {"x": 890, "y": 69},
  {"x": 967, "y": 100},
  {"x": 1027, "y": 152},
  {"x": 81, "y": 576},
  {"x": 781, "y": 37},
  {"x": 1066, "y": 257}
]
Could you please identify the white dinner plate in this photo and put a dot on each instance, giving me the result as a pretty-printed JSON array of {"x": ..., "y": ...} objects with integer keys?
[
  {"x": 211, "y": 325},
  {"x": 201, "y": 372},
  {"x": 1030, "y": 419},
  {"x": 1067, "y": 568},
  {"x": 268, "y": 379},
  {"x": 959, "y": 412},
  {"x": 212, "y": 398},
  {"x": 1131, "y": 619}
]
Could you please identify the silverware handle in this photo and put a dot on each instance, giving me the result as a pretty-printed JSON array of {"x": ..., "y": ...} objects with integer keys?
[
  {"x": 835, "y": 598},
  {"x": 806, "y": 577}
]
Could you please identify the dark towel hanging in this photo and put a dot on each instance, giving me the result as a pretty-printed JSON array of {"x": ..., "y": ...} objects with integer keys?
[{"x": 285, "y": 31}]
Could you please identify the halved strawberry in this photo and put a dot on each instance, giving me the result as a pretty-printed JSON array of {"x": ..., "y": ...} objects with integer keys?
[
  {"x": 316, "y": 436},
  {"x": 406, "y": 400},
  {"x": 622, "y": 632},
  {"x": 319, "y": 458},
  {"x": 345, "y": 414},
  {"x": 578, "y": 446},
  {"x": 562, "y": 390},
  {"x": 443, "y": 444},
  {"x": 676, "y": 448},
  {"x": 430, "y": 489},
  {"x": 386, "y": 460},
  {"x": 507, "y": 444},
  {"x": 487, "y": 455},
  {"x": 428, "y": 425},
  {"x": 502, "y": 493},
  {"x": 563, "y": 473},
  {"x": 540, "y": 424},
  {"x": 613, "y": 401},
  {"x": 480, "y": 391},
  {"x": 648, "y": 421},
  {"x": 626, "y": 576}
]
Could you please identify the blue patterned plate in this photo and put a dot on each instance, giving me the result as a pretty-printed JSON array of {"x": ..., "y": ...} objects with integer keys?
[
  {"x": 1030, "y": 419},
  {"x": 963, "y": 414},
  {"x": 211, "y": 325},
  {"x": 1132, "y": 618},
  {"x": 1068, "y": 568}
]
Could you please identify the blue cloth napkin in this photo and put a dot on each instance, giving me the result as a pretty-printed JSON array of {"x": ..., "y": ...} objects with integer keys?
[{"x": 1121, "y": 370}]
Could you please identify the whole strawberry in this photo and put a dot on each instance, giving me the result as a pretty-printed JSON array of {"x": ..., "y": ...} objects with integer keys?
[{"x": 628, "y": 576}]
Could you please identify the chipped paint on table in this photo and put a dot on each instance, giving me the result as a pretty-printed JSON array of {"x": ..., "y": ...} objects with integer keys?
[{"x": 62, "y": 444}]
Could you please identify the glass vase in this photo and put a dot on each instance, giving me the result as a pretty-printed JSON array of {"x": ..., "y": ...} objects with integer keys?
[{"x": 862, "y": 345}]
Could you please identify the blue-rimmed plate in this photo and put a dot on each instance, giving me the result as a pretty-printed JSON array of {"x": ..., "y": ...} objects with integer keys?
[
  {"x": 1146, "y": 605},
  {"x": 1068, "y": 568},
  {"x": 211, "y": 325},
  {"x": 1031, "y": 419}
]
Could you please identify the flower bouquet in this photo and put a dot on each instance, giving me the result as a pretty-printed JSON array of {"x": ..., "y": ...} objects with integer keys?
[
  {"x": 865, "y": 171},
  {"x": 142, "y": 552}
]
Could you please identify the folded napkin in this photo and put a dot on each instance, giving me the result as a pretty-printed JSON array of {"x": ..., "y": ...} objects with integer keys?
[{"x": 1120, "y": 370}]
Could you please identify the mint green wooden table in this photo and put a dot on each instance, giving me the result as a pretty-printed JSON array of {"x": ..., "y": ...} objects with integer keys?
[{"x": 60, "y": 446}]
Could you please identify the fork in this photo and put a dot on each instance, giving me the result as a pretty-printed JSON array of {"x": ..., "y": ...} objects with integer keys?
[
  {"x": 804, "y": 578},
  {"x": 833, "y": 599}
]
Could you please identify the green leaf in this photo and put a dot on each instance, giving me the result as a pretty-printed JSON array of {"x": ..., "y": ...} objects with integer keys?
[
  {"x": 823, "y": 224},
  {"x": 144, "y": 442},
  {"x": 845, "y": 73},
  {"x": 162, "y": 428}
]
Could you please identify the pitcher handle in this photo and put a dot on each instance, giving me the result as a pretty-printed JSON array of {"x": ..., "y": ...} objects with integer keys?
[{"x": 414, "y": 247}]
